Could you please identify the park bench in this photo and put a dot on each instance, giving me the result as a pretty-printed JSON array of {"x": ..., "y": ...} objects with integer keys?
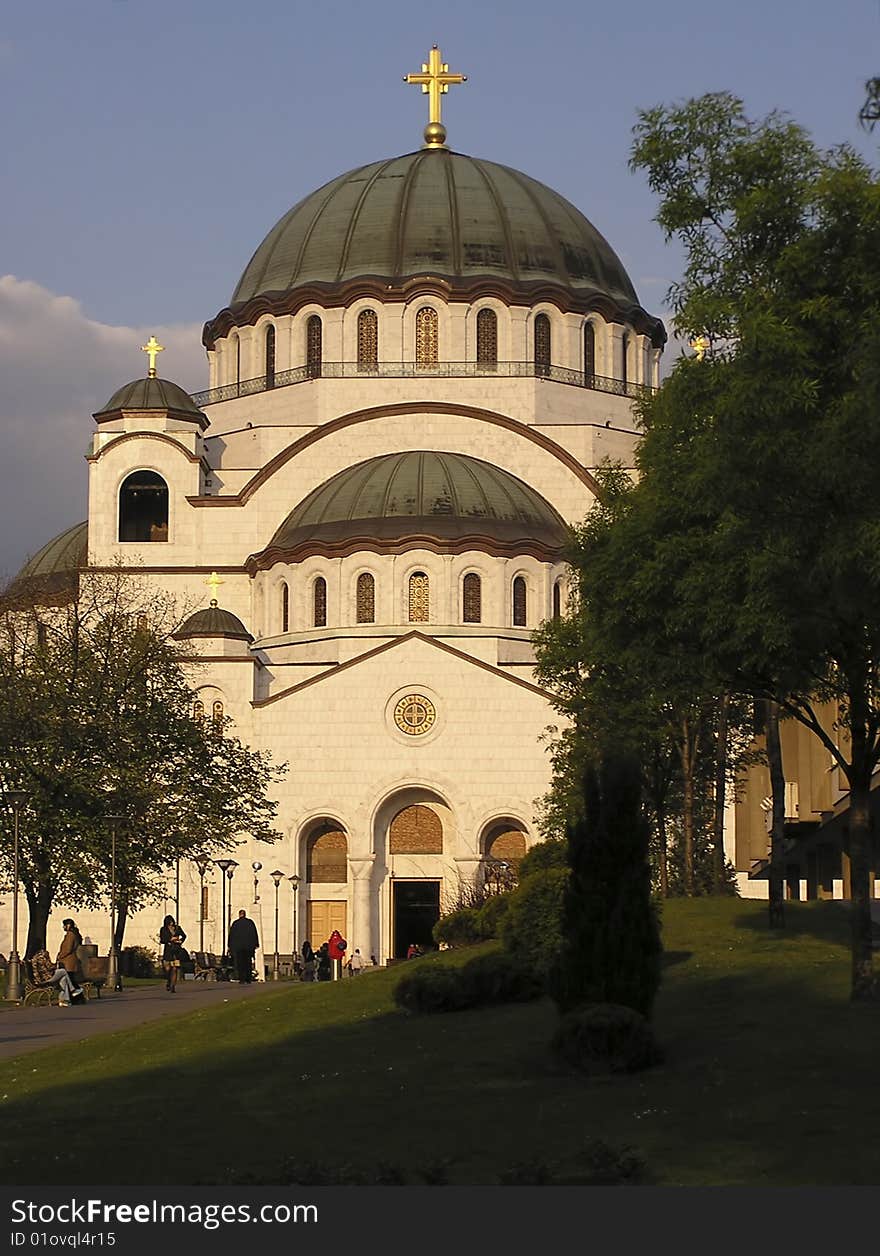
[
  {"x": 207, "y": 967},
  {"x": 38, "y": 992}
]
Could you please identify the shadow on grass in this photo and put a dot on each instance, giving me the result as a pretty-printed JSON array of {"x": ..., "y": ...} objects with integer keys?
[
  {"x": 823, "y": 920},
  {"x": 752, "y": 1091}
]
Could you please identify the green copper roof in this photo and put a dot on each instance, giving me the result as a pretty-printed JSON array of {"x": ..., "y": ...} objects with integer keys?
[
  {"x": 152, "y": 394},
  {"x": 51, "y": 574},
  {"x": 444, "y": 495},
  {"x": 214, "y": 622},
  {"x": 438, "y": 213}
]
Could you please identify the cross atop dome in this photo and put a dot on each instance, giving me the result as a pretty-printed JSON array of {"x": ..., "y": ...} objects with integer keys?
[
  {"x": 152, "y": 348},
  {"x": 434, "y": 81}
]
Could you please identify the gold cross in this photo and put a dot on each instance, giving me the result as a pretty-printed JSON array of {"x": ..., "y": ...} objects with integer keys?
[
  {"x": 214, "y": 582},
  {"x": 152, "y": 347},
  {"x": 699, "y": 346},
  {"x": 434, "y": 81}
]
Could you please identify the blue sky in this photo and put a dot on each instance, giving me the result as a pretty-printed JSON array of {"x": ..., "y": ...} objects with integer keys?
[{"x": 149, "y": 148}]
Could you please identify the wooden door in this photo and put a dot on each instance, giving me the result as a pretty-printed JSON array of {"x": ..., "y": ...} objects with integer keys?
[{"x": 323, "y": 918}]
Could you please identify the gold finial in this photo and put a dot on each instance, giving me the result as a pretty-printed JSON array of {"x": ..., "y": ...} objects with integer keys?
[
  {"x": 152, "y": 348},
  {"x": 214, "y": 582},
  {"x": 700, "y": 346},
  {"x": 434, "y": 81}
]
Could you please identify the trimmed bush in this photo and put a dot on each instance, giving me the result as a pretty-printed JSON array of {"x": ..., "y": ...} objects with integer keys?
[
  {"x": 549, "y": 854},
  {"x": 531, "y": 928},
  {"x": 606, "y": 1038},
  {"x": 433, "y": 988},
  {"x": 138, "y": 961},
  {"x": 459, "y": 928},
  {"x": 498, "y": 978},
  {"x": 492, "y": 913}
]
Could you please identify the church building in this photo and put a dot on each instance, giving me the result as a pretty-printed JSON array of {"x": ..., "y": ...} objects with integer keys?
[{"x": 414, "y": 381}]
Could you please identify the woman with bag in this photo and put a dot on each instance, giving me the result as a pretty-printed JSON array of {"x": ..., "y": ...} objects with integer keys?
[{"x": 172, "y": 938}]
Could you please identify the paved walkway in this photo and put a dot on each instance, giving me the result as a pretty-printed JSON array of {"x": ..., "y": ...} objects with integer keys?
[{"x": 24, "y": 1029}]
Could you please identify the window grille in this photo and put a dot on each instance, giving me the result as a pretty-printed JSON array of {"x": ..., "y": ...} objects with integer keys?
[
  {"x": 471, "y": 599},
  {"x": 366, "y": 598},
  {"x": 217, "y": 716},
  {"x": 320, "y": 602},
  {"x": 270, "y": 357},
  {"x": 368, "y": 340},
  {"x": 198, "y": 710},
  {"x": 542, "y": 345},
  {"x": 427, "y": 337},
  {"x": 519, "y": 602},
  {"x": 419, "y": 598},
  {"x": 313, "y": 346},
  {"x": 589, "y": 353},
  {"x": 487, "y": 338}
]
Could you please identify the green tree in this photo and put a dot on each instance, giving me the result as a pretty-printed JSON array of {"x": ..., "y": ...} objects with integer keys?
[
  {"x": 611, "y": 951},
  {"x": 96, "y": 719},
  {"x": 783, "y": 276}
]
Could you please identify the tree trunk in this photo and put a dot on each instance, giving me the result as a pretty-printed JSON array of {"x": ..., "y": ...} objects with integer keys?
[
  {"x": 687, "y": 818},
  {"x": 720, "y": 797},
  {"x": 39, "y": 901},
  {"x": 859, "y": 859},
  {"x": 777, "y": 828},
  {"x": 664, "y": 851}
]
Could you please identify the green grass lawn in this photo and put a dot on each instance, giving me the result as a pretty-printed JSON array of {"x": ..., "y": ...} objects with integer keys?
[{"x": 769, "y": 1078}]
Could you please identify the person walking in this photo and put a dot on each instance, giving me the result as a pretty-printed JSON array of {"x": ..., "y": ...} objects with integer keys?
[
  {"x": 356, "y": 963},
  {"x": 171, "y": 939},
  {"x": 243, "y": 944},
  {"x": 323, "y": 958},
  {"x": 309, "y": 961},
  {"x": 336, "y": 945}
]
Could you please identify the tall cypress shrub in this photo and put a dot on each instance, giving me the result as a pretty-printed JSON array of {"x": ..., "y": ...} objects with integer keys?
[{"x": 611, "y": 937}]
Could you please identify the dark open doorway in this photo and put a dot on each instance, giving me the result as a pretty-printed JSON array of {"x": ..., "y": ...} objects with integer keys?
[{"x": 416, "y": 911}]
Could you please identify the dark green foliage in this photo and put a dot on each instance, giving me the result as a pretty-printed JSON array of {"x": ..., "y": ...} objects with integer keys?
[
  {"x": 498, "y": 978},
  {"x": 611, "y": 951},
  {"x": 138, "y": 961},
  {"x": 606, "y": 1038},
  {"x": 435, "y": 988},
  {"x": 461, "y": 927},
  {"x": 484, "y": 980},
  {"x": 531, "y": 929},
  {"x": 492, "y": 913},
  {"x": 549, "y": 854}
]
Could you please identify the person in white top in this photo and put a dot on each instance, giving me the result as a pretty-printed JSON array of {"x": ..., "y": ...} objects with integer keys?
[{"x": 356, "y": 963}]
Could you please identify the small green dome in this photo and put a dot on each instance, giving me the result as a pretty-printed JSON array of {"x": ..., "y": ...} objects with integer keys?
[
  {"x": 51, "y": 574},
  {"x": 446, "y": 499},
  {"x": 213, "y": 622},
  {"x": 442, "y": 214},
  {"x": 152, "y": 394}
]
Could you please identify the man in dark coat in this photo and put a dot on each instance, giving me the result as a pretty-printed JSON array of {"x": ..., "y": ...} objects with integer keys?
[{"x": 243, "y": 942}]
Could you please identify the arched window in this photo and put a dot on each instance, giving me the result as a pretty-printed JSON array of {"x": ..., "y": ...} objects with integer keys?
[
  {"x": 319, "y": 599},
  {"x": 589, "y": 354},
  {"x": 427, "y": 337},
  {"x": 217, "y": 717},
  {"x": 366, "y": 598},
  {"x": 327, "y": 856},
  {"x": 270, "y": 357},
  {"x": 542, "y": 345},
  {"x": 198, "y": 710},
  {"x": 236, "y": 358},
  {"x": 143, "y": 507},
  {"x": 285, "y": 608},
  {"x": 519, "y": 602},
  {"x": 313, "y": 346},
  {"x": 419, "y": 598},
  {"x": 368, "y": 340},
  {"x": 471, "y": 598},
  {"x": 557, "y": 599},
  {"x": 416, "y": 831},
  {"x": 487, "y": 338},
  {"x": 624, "y": 352}
]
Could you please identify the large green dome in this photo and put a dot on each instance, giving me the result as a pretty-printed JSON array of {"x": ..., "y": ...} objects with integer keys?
[
  {"x": 403, "y": 500},
  {"x": 441, "y": 214},
  {"x": 51, "y": 574}
]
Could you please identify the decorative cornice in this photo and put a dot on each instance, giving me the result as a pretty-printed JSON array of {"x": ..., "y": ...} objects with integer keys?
[
  {"x": 323, "y": 547},
  {"x": 386, "y": 290},
  {"x": 183, "y": 416},
  {"x": 161, "y": 436},
  {"x": 380, "y": 412}
]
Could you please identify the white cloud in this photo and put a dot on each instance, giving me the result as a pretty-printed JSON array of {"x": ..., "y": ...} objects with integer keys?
[{"x": 57, "y": 367}]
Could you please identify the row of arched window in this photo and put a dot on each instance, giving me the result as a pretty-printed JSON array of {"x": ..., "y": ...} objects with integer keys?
[
  {"x": 428, "y": 344},
  {"x": 418, "y": 600}
]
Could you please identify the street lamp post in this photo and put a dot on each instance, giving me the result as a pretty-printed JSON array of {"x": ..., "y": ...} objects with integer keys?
[
  {"x": 114, "y": 979},
  {"x": 294, "y": 885},
  {"x": 256, "y": 865},
  {"x": 230, "y": 873},
  {"x": 14, "y": 987},
  {"x": 203, "y": 865},
  {"x": 276, "y": 967},
  {"x": 224, "y": 866}
]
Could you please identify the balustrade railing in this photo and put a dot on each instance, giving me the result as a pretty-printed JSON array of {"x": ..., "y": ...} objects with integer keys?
[{"x": 412, "y": 370}]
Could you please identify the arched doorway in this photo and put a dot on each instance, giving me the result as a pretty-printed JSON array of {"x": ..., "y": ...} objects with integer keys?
[
  {"x": 415, "y": 830},
  {"x": 326, "y": 851}
]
